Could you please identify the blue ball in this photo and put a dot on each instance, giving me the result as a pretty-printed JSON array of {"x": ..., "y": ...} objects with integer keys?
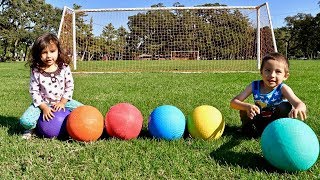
[
  {"x": 290, "y": 145},
  {"x": 167, "y": 122}
]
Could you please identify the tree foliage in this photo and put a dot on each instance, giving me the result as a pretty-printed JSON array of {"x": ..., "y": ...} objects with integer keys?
[
  {"x": 300, "y": 37},
  {"x": 155, "y": 32},
  {"x": 159, "y": 32},
  {"x": 21, "y": 21}
]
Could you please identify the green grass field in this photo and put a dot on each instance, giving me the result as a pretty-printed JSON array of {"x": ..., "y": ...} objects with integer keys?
[
  {"x": 230, "y": 157},
  {"x": 166, "y": 65}
]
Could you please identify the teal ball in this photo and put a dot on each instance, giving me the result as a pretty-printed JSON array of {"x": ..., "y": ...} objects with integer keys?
[{"x": 290, "y": 145}]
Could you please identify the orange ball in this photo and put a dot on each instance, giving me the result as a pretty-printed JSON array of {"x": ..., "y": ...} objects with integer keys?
[{"x": 85, "y": 123}]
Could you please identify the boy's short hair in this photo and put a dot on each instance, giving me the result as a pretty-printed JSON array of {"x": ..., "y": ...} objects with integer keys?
[{"x": 277, "y": 57}]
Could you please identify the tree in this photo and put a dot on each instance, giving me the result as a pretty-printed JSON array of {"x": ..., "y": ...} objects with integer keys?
[
  {"x": 317, "y": 35},
  {"x": 120, "y": 42},
  {"x": 21, "y": 21},
  {"x": 109, "y": 36},
  {"x": 213, "y": 28},
  {"x": 159, "y": 32},
  {"x": 85, "y": 36},
  {"x": 302, "y": 35},
  {"x": 283, "y": 38}
]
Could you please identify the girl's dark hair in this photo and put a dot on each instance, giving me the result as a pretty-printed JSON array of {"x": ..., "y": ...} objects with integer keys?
[
  {"x": 41, "y": 43},
  {"x": 277, "y": 57}
]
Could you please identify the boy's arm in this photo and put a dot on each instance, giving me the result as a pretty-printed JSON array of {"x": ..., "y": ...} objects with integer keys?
[
  {"x": 299, "y": 108},
  {"x": 239, "y": 104}
]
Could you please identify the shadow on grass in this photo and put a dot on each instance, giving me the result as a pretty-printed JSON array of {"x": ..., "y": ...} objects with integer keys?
[
  {"x": 12, "y": 123},
  {"x": 145, "y": 134},
  {"x": 248, "y": 160}
]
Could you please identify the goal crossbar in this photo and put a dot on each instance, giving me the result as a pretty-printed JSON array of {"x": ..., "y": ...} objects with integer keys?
[
  {"x": 195, "y": 32},
  {"x": 168, "y": 8}
]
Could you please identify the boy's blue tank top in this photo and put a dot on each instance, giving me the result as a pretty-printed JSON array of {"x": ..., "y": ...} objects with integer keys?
[{"x": 266, "y": 100}]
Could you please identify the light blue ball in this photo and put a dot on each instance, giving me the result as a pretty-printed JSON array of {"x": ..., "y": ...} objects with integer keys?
[
  {"x": 167, "y": 122},
  {"x": 290, "y": 144}
]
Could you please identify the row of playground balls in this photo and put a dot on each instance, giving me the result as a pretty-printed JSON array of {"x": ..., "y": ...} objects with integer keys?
[
  {"x": 124, "y": 121},
  {"x": 288, "y": 144}
]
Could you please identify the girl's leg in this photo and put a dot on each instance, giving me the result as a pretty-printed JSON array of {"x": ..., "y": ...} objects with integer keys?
[
  {"x": 72, "y": 104},
  {"x": 30, "y": 117}
]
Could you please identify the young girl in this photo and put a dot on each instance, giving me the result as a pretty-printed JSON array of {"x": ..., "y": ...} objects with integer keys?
[
  {"x": 273, "y": 99},
  {"x": 51, "y": 82}
]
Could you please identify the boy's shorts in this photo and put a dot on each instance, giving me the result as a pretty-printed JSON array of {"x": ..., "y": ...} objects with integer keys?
[{"x": 254, "y": 127}]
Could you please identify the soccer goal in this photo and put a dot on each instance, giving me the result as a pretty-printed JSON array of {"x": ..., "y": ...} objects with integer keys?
[
  {"x": 184, "y": 39},
  {"x": 185, "y": 55}
]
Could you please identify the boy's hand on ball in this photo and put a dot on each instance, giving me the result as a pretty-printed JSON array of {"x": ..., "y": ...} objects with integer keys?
[{"x": 295, "y": 113}]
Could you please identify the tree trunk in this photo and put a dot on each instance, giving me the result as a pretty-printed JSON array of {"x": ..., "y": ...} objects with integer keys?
[
  {"x": 14, "y": 55},
  {"x": 26, "y": 53}
]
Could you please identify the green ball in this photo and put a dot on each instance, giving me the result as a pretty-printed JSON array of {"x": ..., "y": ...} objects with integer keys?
[{"x": 290, "y": 145}]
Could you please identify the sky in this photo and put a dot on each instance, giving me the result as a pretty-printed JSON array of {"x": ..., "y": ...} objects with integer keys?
[{"x": 279, "y": 9}]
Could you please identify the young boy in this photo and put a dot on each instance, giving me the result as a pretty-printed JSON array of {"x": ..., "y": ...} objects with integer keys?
[{"x": 273, "y": 99}]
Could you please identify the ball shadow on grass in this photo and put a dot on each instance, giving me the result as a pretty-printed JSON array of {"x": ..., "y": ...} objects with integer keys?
[
  {"x": 145, "y": 134},
  {"x": 14, "y": 127},
  {"x": 12, "y": 123},
  {"x": 248, "y": 160}
]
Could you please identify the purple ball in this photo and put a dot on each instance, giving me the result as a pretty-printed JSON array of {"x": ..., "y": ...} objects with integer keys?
[{"x": 56, "y": 127}]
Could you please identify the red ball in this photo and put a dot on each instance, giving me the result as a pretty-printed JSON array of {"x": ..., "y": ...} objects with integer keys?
[
  {"x": 85, "y": 123},
  {"x": 124, "y": 121}
]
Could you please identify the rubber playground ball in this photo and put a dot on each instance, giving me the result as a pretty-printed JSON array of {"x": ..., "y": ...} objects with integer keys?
[
  {"x": 167, "y": 122},
  {"x": 55, "y": 127},
  {"x": 85, "y": 123},
  {"x": 124, "y": 121},
  {"x": 205, "y": 122},
  {"x": 290, "y": 145}
]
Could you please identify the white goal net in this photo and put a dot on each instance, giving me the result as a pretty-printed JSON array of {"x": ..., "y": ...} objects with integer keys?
[
  {"x": 188, "y": 39},
  {"x": 185, "y": 55}
]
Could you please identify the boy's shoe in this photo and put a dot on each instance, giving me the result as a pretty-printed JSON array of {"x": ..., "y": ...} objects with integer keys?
[{"x": 27, "y": 134}]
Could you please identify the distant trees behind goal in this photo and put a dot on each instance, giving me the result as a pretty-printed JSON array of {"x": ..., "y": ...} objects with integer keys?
[{"x": 167, "y": 33}]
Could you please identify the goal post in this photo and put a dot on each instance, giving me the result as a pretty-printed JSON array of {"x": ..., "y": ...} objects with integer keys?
[
  {"x": 218, "y": 38},
  {"x": 67, "y": 34}
]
